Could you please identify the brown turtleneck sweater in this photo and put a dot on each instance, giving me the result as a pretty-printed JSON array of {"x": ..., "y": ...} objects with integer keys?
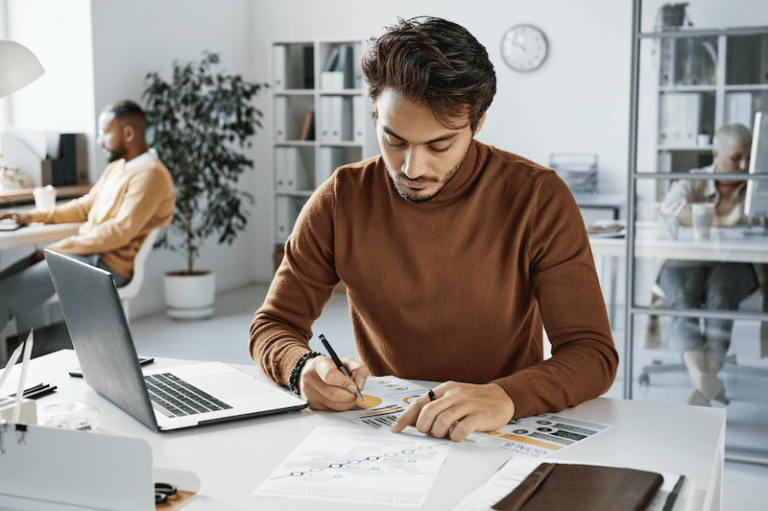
[{"x": 456, "y": 288}]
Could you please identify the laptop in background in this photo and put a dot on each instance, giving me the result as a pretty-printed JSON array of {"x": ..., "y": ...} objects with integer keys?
[{"x": 104, "y": 347}]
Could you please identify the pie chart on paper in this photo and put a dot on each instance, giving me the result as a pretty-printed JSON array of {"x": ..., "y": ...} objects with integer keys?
[{"x": 368, "y": 401}]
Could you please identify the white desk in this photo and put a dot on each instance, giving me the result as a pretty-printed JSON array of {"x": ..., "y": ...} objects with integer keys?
[
  {"x": 232, "y": 459},
  {"x": 31, "y": 235},
  {"x": 613, "y": 202},
  {"x": 36, "y": 233},
  {"x": 724, "y": 244}
]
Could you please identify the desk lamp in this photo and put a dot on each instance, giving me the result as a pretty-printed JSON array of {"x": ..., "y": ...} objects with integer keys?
[{"x": 18, "y": 67}]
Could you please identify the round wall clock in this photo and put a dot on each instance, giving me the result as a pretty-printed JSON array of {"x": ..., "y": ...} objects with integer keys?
[{"x": 524, "y": 48}]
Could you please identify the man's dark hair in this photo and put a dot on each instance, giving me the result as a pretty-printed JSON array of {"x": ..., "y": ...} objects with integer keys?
[
  {"x": 434, "y": 62},
  {"x": 126, "y": 108}
]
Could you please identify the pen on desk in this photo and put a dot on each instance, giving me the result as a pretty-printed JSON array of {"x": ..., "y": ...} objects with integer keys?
[
  {"x": 11, "y": 363},
  {"x": 39, "y": 390},
  {"x": 338, "y": 363},
  {"x": 672, "y": 497}
]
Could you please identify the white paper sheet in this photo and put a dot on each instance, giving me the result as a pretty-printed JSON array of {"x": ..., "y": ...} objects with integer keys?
[
  {"x": 359, "y": 466},
  {"x": 386, "y": 397}
]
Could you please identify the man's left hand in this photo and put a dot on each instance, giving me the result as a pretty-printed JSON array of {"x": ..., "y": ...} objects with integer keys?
[
  {"x": 21, "y": 218},
  {"x": 458, "y": 410}
]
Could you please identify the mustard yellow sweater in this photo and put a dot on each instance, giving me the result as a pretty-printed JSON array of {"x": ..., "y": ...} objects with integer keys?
[
  {"x": 117, "y": 213},
  {"x": 456, "y": 288}
]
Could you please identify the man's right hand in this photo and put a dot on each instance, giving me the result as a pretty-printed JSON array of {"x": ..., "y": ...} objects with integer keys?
[
  {"x": 21, "y": 218},
  {"x": 324, "y": 387}
]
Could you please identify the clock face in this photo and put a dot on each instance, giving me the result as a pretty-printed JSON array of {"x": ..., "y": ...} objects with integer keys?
[{"x": 524, "y": 48}]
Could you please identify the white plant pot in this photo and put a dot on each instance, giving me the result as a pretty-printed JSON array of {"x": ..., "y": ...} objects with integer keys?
[{"x": 190, "y": 296}]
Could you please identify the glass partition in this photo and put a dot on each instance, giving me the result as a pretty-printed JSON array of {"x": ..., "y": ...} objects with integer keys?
[{"x": 696, "y": 324}]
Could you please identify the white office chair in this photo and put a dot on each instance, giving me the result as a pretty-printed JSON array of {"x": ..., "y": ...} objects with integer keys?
[
  {"x": 131, "y": 289},
  {"x": 52, "y": 310},
  {"x": 756, "y": 301}
]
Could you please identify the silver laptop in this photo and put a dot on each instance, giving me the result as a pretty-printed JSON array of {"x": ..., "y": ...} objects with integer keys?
[{"x": 181, "y": 397}]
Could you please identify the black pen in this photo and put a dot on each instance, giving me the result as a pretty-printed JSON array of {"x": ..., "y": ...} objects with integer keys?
[
  {"x": 672, "y": 497},
  {"x": 41, "y": 392},
  {"x": 338, "y": 363}
]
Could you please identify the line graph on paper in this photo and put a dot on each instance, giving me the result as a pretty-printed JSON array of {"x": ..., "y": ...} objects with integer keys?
[{"x": 360, "y": 466}]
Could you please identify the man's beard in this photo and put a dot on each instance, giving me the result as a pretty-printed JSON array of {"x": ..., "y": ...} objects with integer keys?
[
  {"x": 115, "y": 155},
  {"x": 409, "y": 197}
]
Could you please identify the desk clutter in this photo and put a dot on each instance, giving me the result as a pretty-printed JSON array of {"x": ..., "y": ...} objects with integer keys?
[
  {"x": 112, "y": 472},
  {"x": 38, "y": 158},
  {"x": 525, "y": 484}
]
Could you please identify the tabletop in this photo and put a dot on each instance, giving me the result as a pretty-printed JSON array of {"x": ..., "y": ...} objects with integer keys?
[
  {"x": 725, "y": 244},
  {"x": 233, "y": 459},
  {"x": 33, "y": 234}
]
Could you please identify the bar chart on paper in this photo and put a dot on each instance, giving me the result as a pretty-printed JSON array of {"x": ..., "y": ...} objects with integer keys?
[{"x": 386, "y": 397}]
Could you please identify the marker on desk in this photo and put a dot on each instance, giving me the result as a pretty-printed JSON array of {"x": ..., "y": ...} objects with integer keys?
[{"x": 338, "y": 362}]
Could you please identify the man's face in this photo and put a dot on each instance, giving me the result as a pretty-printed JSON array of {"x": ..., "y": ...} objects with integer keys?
[
  {"x": 421, "y": 155},
  {"x": 734, "y": 156},
  {"x": 110, "y": 137}
]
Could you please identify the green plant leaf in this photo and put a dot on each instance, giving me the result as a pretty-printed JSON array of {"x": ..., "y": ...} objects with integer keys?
[{"x": 195, "y": 122}]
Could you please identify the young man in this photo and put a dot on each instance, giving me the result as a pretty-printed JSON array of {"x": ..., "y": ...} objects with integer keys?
[
  {"x": 134, "y": 195},
  {"x": 710, "y": 285},
  {"x": 455, "y": 254}
]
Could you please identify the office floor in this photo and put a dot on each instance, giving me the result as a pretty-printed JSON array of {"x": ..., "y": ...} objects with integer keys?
[{"x": 225, "y": 337}]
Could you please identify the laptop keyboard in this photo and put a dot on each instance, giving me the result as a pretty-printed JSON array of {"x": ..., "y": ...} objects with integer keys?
[{"x": 175, "y": 397}]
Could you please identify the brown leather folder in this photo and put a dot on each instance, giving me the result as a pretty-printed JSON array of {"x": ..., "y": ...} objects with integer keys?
[{"x": 552, "y": 487}]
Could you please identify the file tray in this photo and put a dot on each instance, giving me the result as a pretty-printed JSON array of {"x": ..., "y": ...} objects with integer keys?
[
  {"x": 46, "y": 469},
  {"x": 578, "y": 170}
]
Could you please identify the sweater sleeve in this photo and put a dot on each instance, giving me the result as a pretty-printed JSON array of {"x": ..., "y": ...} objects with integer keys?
[
  {"x": 281, "y": 329},
  {"x": 565, "y": 285},
  {"x": 75, "y": 210},
  {"x": 146, "y": 192}
]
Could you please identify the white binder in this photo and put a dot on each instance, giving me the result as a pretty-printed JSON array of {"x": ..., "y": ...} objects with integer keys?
[
  {"x": 278, "y": 66},
  {"x": 331, "y": 118},
  {"x": 360, "y": 116},
  {"x": 286, "y": 169},
  {"x": 281, "y": 118},
  {"x": 283, "y": 224},
  {"x": 325, "y": 168}
]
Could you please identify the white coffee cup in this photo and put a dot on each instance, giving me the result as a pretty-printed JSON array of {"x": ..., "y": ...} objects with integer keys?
[
  {"x": 44, "y": 196},
  {"x": 703, "y": 216}
]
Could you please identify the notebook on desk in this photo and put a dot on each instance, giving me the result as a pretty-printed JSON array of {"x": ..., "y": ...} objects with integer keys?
[{"x": 182, "y": 397}]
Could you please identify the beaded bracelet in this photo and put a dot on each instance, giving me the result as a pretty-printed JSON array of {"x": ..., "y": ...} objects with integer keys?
[{"x": 293, "y": 380}]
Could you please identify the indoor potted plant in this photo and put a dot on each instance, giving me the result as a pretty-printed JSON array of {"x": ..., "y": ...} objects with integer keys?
[{"x": 198, "y": 123}]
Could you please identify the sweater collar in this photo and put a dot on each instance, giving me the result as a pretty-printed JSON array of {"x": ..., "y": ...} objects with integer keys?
[
  {"x": 140, "y": 160},
  {"x": 462, "y": 180}
]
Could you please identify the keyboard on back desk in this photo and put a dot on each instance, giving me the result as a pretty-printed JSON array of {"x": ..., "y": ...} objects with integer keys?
[{"x": 177, "y": 398}]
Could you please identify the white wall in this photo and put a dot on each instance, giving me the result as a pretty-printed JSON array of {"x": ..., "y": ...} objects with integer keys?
[
  {"x": 59, "y": 34},
  {"x": 578, "y": 101}
]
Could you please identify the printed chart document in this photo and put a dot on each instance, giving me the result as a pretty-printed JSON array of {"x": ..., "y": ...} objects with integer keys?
[
  {"x": 360, "y": 467},
  {"x": 513, "y": 472},
  {"x": 386, "y": 397}
]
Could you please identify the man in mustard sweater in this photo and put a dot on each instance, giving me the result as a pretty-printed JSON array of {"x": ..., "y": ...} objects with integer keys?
[
  {"x": 455, "y": 256},
  {"x": 134, "y": 195}
]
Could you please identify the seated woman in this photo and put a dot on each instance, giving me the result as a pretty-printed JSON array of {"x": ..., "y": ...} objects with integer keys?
[{"x": 712, "y": 285}]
